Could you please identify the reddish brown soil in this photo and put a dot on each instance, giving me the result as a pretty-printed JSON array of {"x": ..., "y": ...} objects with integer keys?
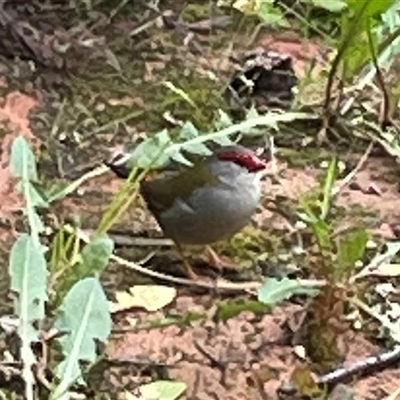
[{"x": 243, "y": 346}]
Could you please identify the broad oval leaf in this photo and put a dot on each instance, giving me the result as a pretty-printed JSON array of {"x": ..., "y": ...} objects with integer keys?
[
  {"x": 85, "y": 318},
  {"x": 28, "y": 273},
  {"x": 27, "y": 269}
]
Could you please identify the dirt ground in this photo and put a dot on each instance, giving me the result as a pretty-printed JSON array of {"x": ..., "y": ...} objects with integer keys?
[
  {"x": 247, "y": 357},
  {"x": 252, "y": 355}
]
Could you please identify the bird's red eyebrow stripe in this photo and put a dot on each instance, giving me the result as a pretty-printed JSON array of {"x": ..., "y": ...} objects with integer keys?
[{"x": 250, "y": 161}]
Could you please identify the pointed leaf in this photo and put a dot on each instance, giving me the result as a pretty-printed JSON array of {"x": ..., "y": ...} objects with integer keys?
[
  {"x": 223, "y": 141},
  {"x": 22, "y": 163},
  {"x": 276, "y": 290},
  {"x": 178, "y": 157},
  {"x": 197, "y": 148},
  {"x": 224, "y": 120},
  {"x": 189, "y": 131}
]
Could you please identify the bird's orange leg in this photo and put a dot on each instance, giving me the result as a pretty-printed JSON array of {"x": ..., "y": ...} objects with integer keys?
[
  {"x": 218, "y": 263},
  {"x": 188, "y": 269}
]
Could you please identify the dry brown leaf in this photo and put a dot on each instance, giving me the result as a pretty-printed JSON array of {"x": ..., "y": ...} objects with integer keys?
[
  {"x": 149, "y": 297},
  {"x": 385, "y": 269}
]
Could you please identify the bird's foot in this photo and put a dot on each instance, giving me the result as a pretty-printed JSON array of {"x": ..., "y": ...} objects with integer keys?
[
  {"x": 215, "y": 261},
  {"x": 189, "y": 272}
]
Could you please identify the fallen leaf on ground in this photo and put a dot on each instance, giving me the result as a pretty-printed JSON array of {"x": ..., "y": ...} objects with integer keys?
[{"x": 149, "y": 297}]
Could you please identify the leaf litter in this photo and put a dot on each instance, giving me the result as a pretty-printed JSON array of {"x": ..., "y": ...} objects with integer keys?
[
  {"x": 246, "y": 345},
  {"x": 159, "y": 345}
]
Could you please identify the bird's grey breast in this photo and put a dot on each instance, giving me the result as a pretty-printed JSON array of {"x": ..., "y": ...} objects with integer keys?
[{"x": 216, "y": 211}]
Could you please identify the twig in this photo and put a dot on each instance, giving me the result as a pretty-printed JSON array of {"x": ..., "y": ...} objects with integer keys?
[
  {"x": 220, "y": 284},
  {"x": 363, "y": 367},
  {"x": 349, "y": 177}
]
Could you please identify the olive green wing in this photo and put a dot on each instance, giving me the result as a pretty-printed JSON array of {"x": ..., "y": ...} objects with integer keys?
[{"x": 161, "y": 192}]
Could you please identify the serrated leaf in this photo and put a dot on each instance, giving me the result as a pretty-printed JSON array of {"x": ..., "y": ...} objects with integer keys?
[
  {"x": 96, "y": 254},
  {"x": 85, "y": 317},
  {"x": 150, "y": 151},
  {"x": 188, "y": 131},
  {"x": 223, "y": 141},
  {"x": 162, "y": 390},
  {"x": 197, "y": 148},
  {"x": 28, "y": 273},
  {"x": 276, "y": 290},
  {"x": 178, "y": 157},
  {"x": 351, "y": 248},
  {"x": 392, "y": 248},
  {"x": 22, "y": 163},
  {"x": 224, "y": 120}
]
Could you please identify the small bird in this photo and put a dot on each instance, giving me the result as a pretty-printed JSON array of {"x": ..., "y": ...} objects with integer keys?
[{"x": 207, "y": 202}]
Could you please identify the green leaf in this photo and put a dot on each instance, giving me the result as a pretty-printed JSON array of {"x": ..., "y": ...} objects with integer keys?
[
  {"x": 330, "y": 5},
  {"x": 276, "y": 290},
  {"x": 96, "y": 254},
  {"x": 85, "y": 318},
  {"x": 188, "y": 131},
  {"x": 327, "y": 192},
  {"x": 197, "y": 148},
  {"x": 223, "y": 121},
  {"x": 230, "y": 309},
  {"x": 270, "y": 119},
  {"x": 272, "y": 15},
  {"x": 28, "y": 273},
  {"x": 180, "y": 92},
  {"x": 180, "y": 158},
  {"x": 22, "y": 163},
  {"x": 150, "y": 152},
  {"x": 162, "y": 390},
  {"x": 223, "y": 141},
  {"x": 369, "y": 8},
  {"x": 33, "y": 193},
  {"x": 351, "y": 248}
]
